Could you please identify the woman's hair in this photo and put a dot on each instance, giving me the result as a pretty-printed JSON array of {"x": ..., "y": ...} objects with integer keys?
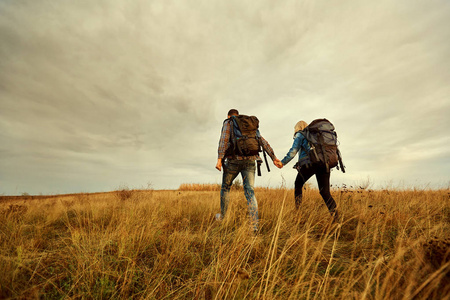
[{"x": 300, "y": 126}]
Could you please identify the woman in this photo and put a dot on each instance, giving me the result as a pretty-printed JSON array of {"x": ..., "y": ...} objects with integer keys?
[{"x": 306, "y": 170}]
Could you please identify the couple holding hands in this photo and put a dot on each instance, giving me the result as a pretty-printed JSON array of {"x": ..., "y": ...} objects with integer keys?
[{"x": 234, "y": 162}]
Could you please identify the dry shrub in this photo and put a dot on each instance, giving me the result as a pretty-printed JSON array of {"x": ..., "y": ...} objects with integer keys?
[
  {"x": 199, "y": 187},
  {"x": 124, "y": 194},
  {"x": 15, "y": 210},
  {"x": 437, "y": 252},
  {"x": 211, "y": 187},
  {"x": 67, "y": 203}
]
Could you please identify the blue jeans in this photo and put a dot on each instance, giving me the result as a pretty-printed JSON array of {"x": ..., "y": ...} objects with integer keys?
[{"x": 231, "y": 169}]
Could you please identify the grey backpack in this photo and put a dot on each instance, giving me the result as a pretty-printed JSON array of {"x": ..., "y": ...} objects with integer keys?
[{"x": 323, "y": 144}]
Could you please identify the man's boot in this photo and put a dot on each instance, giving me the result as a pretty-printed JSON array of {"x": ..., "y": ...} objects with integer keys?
[{"x": 335, "y": 215}]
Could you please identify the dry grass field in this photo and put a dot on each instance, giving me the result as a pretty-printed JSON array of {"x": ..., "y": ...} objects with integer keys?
[{"x": 166, "y": 245}]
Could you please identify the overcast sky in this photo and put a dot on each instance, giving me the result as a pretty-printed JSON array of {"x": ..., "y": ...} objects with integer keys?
[{"x": 97, "y": 95}]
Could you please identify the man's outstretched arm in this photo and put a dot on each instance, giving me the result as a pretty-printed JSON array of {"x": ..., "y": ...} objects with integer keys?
[{"x": 265, "y": 144}]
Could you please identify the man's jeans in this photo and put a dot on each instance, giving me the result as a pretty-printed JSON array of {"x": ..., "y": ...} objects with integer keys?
[{"x": 231, "y": 169}]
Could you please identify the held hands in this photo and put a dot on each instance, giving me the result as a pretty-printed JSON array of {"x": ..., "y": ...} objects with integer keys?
[{"x": 278, "y": 163}]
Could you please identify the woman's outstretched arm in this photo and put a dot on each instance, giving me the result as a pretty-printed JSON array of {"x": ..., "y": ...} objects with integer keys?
[{"x": 294, "y": 149}]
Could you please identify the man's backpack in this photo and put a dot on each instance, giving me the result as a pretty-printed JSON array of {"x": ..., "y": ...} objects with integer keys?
[
  {"x": 244, "y": 136},
  {"x": 245, "y": 139},
  {"x": 323, "y": 144}
]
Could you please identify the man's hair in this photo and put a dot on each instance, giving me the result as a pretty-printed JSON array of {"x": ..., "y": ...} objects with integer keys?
[{"x": 233, "y": 112}]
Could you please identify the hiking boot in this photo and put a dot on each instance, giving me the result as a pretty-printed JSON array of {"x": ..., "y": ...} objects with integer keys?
[
  {"x": 219, "y": 217},
  {"x": 255, "y": 232},
  {"x": 335, "y": 216},
  {"x": 298, "y": 201}
]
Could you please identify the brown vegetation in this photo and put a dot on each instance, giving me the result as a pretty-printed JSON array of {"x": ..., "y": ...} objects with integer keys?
[
  {"x": 211, "y": 187},
  {"x": 167, "y": 245}
]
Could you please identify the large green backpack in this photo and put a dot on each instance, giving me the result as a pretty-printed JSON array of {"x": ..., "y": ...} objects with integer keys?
[{"x": 323, "y": 144}]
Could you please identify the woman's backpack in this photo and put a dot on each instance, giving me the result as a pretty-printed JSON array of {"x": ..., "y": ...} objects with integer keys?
[{"x": 323, "y": 144}]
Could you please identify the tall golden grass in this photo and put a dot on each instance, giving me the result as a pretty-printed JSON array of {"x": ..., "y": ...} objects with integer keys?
[{"x": 167, "y": 245}]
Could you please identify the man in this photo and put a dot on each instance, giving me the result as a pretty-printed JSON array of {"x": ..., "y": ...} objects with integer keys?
[{"x": 234, "y": 163}]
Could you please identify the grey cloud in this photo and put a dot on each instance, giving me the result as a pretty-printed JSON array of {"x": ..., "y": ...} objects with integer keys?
[{"x": 142, "y": 87}]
